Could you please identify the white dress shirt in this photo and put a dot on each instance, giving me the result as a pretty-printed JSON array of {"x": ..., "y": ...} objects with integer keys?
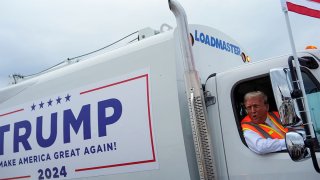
[{"x": 260, "y": 145}]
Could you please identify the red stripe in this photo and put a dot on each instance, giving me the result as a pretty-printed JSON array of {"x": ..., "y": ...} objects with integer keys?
[
  {"x": 318, "y": 1},
  {"x": 149, "y": 115},
  {"x": 113, "y": 84},
  {"x": 114, "y": 165},
  {"x": 303, "y": 10},
  {"x": 12, "y": 112},
  {"x": 19, "y": 177}
]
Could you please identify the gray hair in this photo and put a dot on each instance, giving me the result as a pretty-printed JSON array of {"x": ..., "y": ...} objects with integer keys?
[{"x": 256, "y": 94}]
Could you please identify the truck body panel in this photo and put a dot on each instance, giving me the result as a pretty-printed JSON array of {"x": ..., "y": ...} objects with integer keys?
[{"x": 170, "y": 158}]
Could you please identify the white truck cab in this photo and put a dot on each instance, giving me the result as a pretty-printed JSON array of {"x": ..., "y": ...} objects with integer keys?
[{"x": 238, "y": 161}]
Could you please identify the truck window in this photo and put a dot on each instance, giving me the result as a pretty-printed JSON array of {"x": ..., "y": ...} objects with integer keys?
[
  {"x": 260, "y": 83},
  {"x": 312, "y": 88},
  {"x": 263, "y": 83}
]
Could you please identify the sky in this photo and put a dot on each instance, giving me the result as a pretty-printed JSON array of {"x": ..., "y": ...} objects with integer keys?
[{"x": 38, "y": 34}]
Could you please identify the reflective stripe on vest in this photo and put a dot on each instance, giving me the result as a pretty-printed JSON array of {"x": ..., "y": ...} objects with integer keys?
[
  {"x": 256, "y": 128},
  {"x": 264, "y": 130},
  {"x": 276, "y": 121}
]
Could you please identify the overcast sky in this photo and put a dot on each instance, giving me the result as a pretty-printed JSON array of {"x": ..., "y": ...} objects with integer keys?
[{"x": 37, "y": 34}]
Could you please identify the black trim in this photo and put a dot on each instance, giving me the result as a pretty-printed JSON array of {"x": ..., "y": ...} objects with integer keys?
[
  {"x": 309, "y": 62},
  {"x": 312, "y": 77}
]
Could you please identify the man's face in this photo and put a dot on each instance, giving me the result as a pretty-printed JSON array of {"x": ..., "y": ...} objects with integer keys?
[{"x": 257, "y": 109}]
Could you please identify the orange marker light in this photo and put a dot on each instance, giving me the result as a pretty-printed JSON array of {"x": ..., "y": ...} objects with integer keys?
[{"x": 311, "y": 47}]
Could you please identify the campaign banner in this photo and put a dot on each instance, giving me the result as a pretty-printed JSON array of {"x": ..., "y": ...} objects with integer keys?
[{"x": 100, "y": 129}]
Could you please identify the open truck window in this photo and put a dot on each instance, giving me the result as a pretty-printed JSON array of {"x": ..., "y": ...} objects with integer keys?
[
  {"x": 260, "y": 83},
  {"x": 263, "y": 83}
]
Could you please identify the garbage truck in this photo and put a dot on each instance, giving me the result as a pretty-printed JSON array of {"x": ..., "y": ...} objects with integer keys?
[{"x": 168, "y": 106}]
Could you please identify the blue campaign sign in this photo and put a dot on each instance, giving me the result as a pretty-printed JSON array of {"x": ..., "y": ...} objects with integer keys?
[{"x": 83, "y": 132}]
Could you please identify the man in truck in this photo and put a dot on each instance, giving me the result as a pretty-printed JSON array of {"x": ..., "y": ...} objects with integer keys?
[{"x": 262, "y": 129}]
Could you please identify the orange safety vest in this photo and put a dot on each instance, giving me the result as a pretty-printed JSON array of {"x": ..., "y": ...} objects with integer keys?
[{"x": 264, "y": 130}]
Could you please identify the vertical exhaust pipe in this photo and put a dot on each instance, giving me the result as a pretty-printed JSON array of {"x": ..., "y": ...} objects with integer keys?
[{"x": 197, "y": 108}]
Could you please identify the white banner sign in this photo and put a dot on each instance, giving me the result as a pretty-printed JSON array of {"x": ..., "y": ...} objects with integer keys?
[{"x": 101, "y": 129}]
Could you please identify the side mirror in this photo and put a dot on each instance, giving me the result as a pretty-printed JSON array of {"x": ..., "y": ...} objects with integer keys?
[
  {"x": 280, "y": 80},
  {"x": 296, "y": 147}
]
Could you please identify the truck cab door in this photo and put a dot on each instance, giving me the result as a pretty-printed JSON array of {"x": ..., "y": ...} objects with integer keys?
[{"x": 225, "y": 115}]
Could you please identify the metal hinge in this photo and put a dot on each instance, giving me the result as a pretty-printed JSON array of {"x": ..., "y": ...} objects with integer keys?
[{"x": 209, "y": 99}]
